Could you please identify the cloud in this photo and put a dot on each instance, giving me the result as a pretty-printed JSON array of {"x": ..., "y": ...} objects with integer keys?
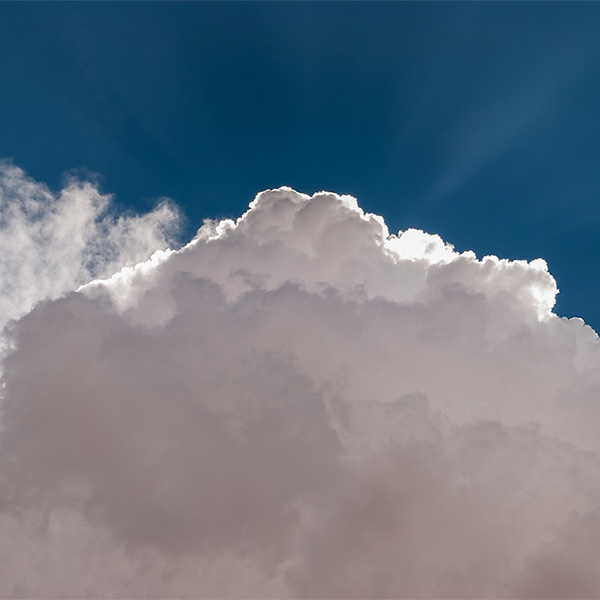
[
  {"x": 51, "y": 243},
  {"x": 298, "y": 404}
]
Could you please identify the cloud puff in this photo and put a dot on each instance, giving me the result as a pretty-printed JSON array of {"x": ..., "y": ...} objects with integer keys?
[{"x": 298, "y": 404}]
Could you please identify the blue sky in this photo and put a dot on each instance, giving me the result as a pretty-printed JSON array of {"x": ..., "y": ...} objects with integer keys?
[{"x": 477, "y": 121}]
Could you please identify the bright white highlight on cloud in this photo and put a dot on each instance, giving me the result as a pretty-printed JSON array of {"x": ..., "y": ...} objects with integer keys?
[{"x": 295, "y": 404}]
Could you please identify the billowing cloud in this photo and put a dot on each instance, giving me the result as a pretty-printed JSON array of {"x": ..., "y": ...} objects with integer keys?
[{"x": 298, "y": 404}]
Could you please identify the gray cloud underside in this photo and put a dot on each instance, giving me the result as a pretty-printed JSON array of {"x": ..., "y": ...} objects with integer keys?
[{"x": 295, "y": 404}]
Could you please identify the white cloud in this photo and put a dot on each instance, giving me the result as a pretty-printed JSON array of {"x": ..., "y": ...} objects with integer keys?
[
  {"x": 298, "y": 404},
  {"x": 50, "y": 243}
]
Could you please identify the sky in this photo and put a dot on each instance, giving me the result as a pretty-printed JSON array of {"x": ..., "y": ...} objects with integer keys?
[
  {"x": 476, "y": 121},
  {"x": 279, "y": 300}
]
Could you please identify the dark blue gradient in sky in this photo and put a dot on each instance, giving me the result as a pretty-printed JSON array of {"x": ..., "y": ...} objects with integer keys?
[{"x": 477, "y": 121}]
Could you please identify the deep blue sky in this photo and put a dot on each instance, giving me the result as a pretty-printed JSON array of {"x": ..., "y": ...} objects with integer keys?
[{"x": 477, "y": 121}]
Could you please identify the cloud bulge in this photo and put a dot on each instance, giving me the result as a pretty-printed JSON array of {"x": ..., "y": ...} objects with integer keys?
[{"x": 294, "y": 404}]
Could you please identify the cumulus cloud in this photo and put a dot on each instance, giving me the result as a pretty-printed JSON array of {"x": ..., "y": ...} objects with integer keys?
[{"x": 299, "y": 404}]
